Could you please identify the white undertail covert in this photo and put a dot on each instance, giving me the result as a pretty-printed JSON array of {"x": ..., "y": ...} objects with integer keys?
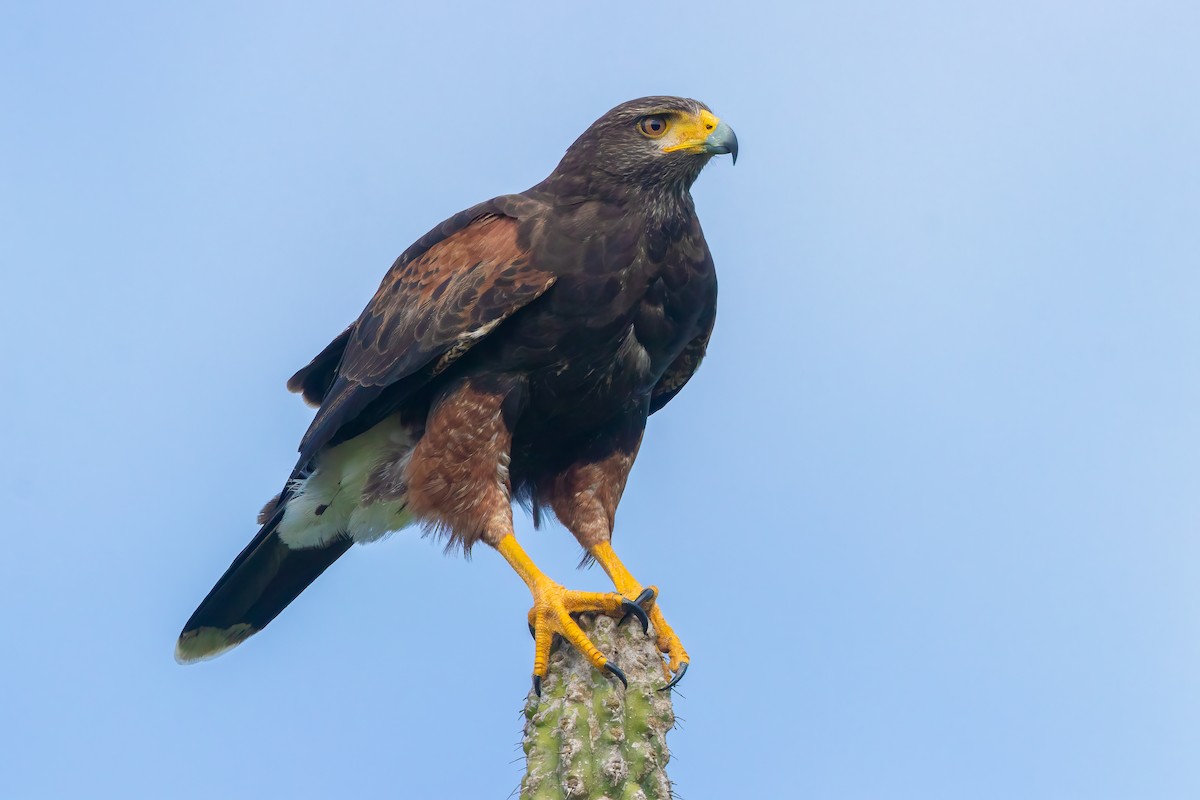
[{"x": 332, "y": 500}]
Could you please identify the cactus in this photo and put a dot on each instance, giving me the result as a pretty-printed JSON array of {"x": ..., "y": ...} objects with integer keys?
[{"x": 587, "y": 737}]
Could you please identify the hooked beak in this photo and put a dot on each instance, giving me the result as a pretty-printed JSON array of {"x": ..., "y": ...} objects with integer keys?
[{"x": 722, "y": 140}]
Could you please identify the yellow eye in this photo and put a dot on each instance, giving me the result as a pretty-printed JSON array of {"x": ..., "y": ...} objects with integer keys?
[{"x": 653, "y": 127}]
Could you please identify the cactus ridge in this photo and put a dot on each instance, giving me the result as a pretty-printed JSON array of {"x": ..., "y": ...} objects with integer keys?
[{"x": 587, "y": 738}]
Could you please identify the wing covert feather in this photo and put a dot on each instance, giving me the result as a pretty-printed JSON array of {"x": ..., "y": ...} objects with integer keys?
[
  {"x": 313, "y": 381},
  {"x": 443, "y": 295}
]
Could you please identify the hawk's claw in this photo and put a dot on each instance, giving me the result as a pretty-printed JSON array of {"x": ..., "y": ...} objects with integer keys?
[
  {"x": 633, "y": 608},
  {"x": 678, "y": 677},
  {"x": 615, "y": 670},
  {"x": 648, "y": 593},
  {"x": 537, "y": 685}
]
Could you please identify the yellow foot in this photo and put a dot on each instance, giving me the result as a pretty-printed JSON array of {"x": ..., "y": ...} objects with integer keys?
[
  {"x": 553, "y": 606},
  {"x": 664, "y": 636},
  {"x": 669, "y": 644},
  {"x": 552, "y": 609}
]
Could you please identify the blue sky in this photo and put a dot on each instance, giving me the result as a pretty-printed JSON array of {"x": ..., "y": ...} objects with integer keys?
[{"x": 926, "y": 519}]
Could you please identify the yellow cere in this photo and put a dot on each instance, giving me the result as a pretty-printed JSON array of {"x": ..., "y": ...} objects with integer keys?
[{"x": 689, "y": 133}]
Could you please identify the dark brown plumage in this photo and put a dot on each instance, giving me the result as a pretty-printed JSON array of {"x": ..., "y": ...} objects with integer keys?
[{"x": 514, "y": 351}]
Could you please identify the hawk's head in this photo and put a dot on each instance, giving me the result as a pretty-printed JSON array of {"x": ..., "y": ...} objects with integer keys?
[{"x": 651, "y": 142}]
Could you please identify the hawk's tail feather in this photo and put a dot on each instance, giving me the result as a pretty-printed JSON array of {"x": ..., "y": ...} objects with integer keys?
[{"x": 260, "y": 583}]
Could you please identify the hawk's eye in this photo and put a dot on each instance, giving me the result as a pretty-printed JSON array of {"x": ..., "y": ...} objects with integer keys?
[{"x": 653, "y": 127}]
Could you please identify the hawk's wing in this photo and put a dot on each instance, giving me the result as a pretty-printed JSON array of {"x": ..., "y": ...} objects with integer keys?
[
  {"x": 685, "y": 364},
  {"x": 443, "y": 295}
]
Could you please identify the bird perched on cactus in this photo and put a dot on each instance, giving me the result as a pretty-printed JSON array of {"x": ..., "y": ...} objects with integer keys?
[{"x": 514, "y": 352}]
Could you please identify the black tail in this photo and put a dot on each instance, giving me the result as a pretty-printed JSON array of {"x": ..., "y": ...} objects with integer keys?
[{"x": 261, "y": 582}]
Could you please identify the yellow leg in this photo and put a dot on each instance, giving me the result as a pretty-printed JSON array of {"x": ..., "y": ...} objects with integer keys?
[
  {"x": 552, "y": 609},
  {"x": 627, "y": 585}
]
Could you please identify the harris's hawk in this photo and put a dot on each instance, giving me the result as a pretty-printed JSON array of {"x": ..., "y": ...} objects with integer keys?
[{"x": 513, "y": 352}]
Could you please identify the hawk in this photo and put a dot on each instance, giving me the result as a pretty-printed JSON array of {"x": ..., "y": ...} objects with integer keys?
[{"x": 513, "y": 353}]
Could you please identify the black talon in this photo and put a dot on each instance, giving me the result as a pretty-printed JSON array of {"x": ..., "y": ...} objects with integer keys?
[
  {"x": 615, "y": 670},
  {"x": 633, "y": 608},
  {"x": 533, "y": 632},
  {"x": 647, "y": 594},
  {"x": 537, "y": 685},
  {"x": 682, "y": 669}
]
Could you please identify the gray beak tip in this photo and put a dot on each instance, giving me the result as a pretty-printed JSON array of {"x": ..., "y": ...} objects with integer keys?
[{"x": 722, "y": 140}]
